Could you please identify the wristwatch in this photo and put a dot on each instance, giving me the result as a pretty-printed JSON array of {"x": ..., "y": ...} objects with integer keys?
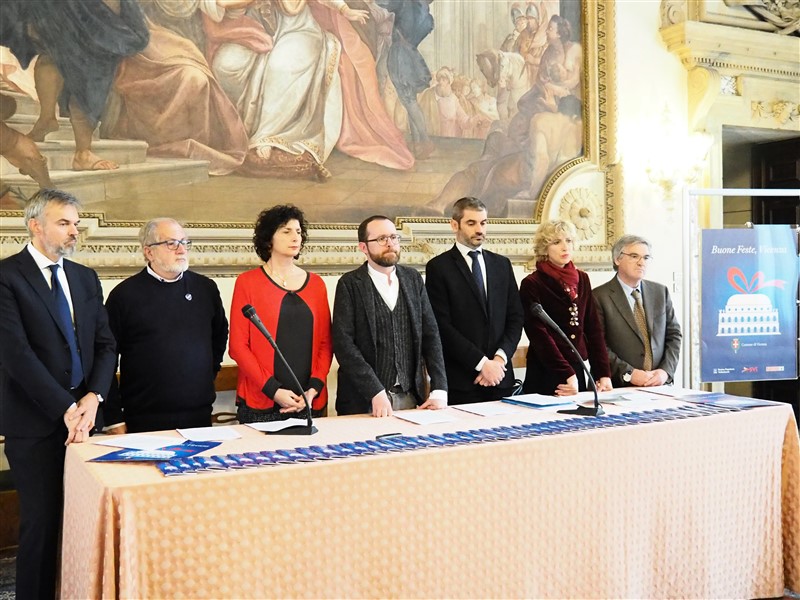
[
  {"x": 627, "y": 376},
  {"x": 100, "y": 398}
]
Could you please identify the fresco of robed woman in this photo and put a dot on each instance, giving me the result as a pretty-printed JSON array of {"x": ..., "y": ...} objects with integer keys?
[{"x": 308, "y": 88}]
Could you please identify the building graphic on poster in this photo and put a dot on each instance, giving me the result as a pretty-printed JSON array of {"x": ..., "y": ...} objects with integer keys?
[
  {"x": 749, "y": 314},
  {"x": 749, "y": 304}
]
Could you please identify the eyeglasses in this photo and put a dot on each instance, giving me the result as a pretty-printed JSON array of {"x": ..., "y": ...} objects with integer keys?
[
  {"x": 173, "y": 244},
  {"x": 384, "y": 240},
  {"x": 637, "y": 257}
]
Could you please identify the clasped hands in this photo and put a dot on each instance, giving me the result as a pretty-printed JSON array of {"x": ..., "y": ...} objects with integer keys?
[
  {"x": 292, "y": 402},
  {"x": 492, "y": 372},
  {"x": 79, "y": 419},
  {"x": 640, "y": 378}
]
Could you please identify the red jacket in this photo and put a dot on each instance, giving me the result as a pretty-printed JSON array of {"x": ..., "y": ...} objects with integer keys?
[{"x": 254, "y": 354}]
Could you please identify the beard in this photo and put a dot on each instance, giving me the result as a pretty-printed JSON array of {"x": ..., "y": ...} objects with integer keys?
[
  {"x": 175, "y": 268},
  {"x": 65, "y": 249},
  {"x": 384, "y": 259}
]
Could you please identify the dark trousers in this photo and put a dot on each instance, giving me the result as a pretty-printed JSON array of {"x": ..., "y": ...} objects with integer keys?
[{"x": 37, "y": 466}]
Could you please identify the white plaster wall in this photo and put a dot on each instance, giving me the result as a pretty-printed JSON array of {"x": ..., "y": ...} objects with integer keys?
[{"x": 649, "y": 78}]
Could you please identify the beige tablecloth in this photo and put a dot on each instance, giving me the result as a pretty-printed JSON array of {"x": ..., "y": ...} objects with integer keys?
[{"x": 703, "y": 507}]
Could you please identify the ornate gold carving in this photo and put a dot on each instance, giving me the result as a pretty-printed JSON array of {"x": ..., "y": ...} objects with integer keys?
[
  {"x": 782, "y": 111},
  {"x": 704, "y": 88}
]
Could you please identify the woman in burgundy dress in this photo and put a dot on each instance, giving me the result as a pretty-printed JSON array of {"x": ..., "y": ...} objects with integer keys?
[{"x": 566, "y": 296}]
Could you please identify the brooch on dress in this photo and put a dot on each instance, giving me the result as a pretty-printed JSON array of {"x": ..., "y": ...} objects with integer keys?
[{"x": 573, "y": 315}]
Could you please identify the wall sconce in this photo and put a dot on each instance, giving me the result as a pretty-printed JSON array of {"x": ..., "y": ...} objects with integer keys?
[{"x": 679, "y": 158}]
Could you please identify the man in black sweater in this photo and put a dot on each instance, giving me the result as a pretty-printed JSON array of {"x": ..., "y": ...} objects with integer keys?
[{"x": 171, "y": 335}]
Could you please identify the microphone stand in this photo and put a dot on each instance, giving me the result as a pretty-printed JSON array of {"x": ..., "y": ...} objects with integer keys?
[
  {"x": 308, "y": 428},
  {"x": 584, "y": 411}
]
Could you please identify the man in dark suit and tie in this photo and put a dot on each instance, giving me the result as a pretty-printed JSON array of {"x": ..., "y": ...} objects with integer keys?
[
  {"x": 57, "y": 358},
  {"x": 642, "y": 334},
  {"x": 477, "y": 306}
]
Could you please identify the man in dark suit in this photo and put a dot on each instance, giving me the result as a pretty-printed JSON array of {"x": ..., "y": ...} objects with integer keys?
[
  {"x": 477, "y": 308},
  {"x": 384, "y": 332},
  {"x": 641, "y": 331},
  {"x": 57, "y": 358}
]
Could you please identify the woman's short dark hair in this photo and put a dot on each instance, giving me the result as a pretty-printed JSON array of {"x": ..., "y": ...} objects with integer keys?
[{"x": 272, "y": 219}]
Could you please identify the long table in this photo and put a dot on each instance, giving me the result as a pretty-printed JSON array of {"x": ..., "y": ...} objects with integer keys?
[{"x": 700, "y": 507}]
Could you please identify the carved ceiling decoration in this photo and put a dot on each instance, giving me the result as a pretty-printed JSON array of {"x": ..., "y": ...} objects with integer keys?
[
  {"x": 782, "y": 15},
  {"x": 782, "y": 111}
]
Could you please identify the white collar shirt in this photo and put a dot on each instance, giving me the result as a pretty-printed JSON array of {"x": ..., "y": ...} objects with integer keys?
[
  {"x": 388, "y": 286},
  {"x": 44, "y": 265}
]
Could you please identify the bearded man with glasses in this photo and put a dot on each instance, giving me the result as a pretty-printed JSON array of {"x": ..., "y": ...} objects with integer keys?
[
  {"x": 171, "y": 336},
  {"x": 642, "y": 334},
  {"x": 385, "y": 335}
]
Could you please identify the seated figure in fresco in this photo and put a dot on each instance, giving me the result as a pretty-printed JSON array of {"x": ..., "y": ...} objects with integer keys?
[
  {"x": 80, "y": 45},
  {"x": 307, "y": 88},
  {"x": 167, "y": 96}
]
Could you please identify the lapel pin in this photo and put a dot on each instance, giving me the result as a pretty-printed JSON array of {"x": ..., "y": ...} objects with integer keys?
[{"x": 188, "y": 297}]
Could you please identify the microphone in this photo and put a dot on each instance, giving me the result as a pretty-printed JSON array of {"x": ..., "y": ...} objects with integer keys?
[
  {"x": 585, "y": 411},
  {"x": 307, "y": 429}
]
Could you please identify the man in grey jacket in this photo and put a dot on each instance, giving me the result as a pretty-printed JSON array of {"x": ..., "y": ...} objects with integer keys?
[{"x": 642, "y": 334}]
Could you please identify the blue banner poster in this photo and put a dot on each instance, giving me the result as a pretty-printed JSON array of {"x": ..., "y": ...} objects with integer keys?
[{"x": 749, "y": 311}]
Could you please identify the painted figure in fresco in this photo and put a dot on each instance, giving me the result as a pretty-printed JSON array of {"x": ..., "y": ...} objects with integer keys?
[
  {"x": 559, "y": 73},
  {"x": 532, "y": 41},
  {"x": 167, "y": 95},
  {"x": 408, "y": 70},
  {"x": 19, "y": 149},
  {"x": 485, "y": 108},
  {"x": 520, "y": 24},
  {"x": 554, "y": 139},
  {"x": 444, "y": 114},
  {"x": 80, "y": 44},
  {"x": 309, "y": 87},
  {"x": 506, "y": 72},
  {"x": 545, "y": 133}
]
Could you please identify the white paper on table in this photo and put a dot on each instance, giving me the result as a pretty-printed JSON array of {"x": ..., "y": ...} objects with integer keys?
[
  {"x": 674, "y": 392},
  {"x": 275, "y": 426},
  {"x": 539, "y": 400},
  {"x": 135, "y": 441},
  {"x": 487, "y": 409},
  {"x": 634, "y": 398},
  {"x": 210, "y": 434},
  {"x": 424, "y": 416}
]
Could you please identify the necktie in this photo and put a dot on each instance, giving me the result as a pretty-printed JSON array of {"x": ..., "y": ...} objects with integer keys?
[
  {"x": 641, "y": 323},
  {"x": 477, "y": 272},
  {"x": 62, "y": 310}
]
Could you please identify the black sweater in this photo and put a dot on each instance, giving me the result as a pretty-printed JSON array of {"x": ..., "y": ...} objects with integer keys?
[{"x": 171, "y": 338}]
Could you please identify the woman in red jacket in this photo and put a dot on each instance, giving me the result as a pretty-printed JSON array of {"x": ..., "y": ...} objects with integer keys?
[
  {"x": 293, "y": 305},
  {"x": 566, "y": 296}
]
